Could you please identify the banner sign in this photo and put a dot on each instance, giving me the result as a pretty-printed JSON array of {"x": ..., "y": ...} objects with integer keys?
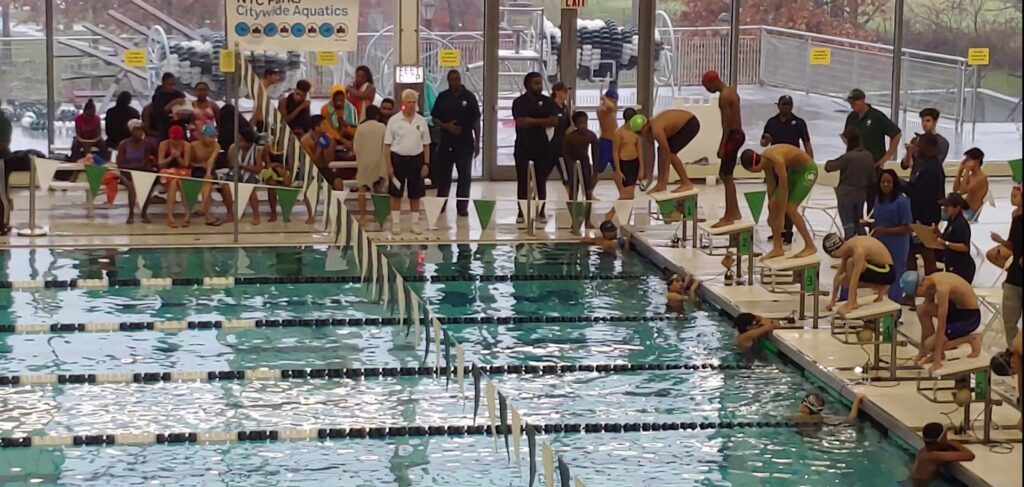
[{"x": 293, "y": 25}]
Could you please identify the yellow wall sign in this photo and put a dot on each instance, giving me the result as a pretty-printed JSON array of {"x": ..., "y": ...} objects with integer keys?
[
  {"x": 227, "y": 61},
  {"x": 449, "y": 58},
  {"x": 135, "y": 58},
  {"x": 821, "y": 56},
  {"x": 977, "y": 56},
  {"x": 326, "y": 58}
]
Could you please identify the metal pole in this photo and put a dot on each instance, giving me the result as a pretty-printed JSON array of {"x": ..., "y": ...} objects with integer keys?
[
  {"x": 51, "y": 89},
  {"x": 490, "y": 77},
  {"x": 961, "y": 88},
  {"x": 645, "y": 68},
  {"x": 974, "y": 104},
  {"x": 734, "y": 43},
  {"x": 897, "y": 61},
  {"x": 236, "y": 88},
  {"x": 567, "y": 56}
]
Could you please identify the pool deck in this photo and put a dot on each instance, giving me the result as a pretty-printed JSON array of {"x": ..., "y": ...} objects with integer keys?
[{"x": 897, "y": 406}]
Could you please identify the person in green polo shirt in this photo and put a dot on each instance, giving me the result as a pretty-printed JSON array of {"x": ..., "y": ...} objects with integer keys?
[{"x": 874, "y": 127}]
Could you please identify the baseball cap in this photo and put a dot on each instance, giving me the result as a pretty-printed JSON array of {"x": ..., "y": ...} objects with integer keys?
[
  {"x": 785, "y": 100},
  {"x": 856, "y": 94},
  {"x": 560, "y": 86},
  {"x": 955, "y": 200}
]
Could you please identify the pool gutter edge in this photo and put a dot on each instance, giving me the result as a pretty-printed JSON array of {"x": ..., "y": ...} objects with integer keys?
[{"x": 836, "y": 383}]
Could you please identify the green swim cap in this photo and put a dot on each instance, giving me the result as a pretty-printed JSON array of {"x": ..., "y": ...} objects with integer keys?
[{"x": 637, "y": 123}]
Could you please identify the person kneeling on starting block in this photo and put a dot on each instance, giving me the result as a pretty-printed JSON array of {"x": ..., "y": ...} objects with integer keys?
[
  {"x": 682, "y": 288},
  {"x": 607, "y": 238},
  {"x": 752, "y": 327},
  {"x": 865, "y": 261},
  {"x": 790, "y": 174},
  {"x": 949, "y": 314}
]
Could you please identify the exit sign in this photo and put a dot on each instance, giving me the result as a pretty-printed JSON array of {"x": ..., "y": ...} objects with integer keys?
[{"x": 574, "y": 4}]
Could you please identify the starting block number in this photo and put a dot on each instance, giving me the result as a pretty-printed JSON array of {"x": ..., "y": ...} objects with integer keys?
[
  {"x": 810, "y": 280},
  {"x": 746, "y": 244},
  {"x": 690, "y": 209}
]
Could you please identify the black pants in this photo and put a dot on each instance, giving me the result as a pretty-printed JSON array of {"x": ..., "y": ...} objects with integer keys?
[
  {"x": 13, "y": 162},
  {"x": 460, "y": 156},
  {"x": 543, "y": 165},
  {"x": 872, "y": 191}
]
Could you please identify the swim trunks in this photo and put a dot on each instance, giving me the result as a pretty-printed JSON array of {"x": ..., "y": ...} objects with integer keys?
[
  {"x": 733, "y": 143},
  {"x": 630, "y": 172},
  {"x": 685, "y": 135},
  {"x": 604, "y": 154},
  {"x": 883, "y": 275},
  {"x": 800, "y": 182},
  {"x": 961, "y": 322}
]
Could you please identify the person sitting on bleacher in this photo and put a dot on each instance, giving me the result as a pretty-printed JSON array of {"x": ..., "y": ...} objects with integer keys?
[
  {"x": 949, "y": 314},
  {"x": 134, "y": 154},
  {"x": 118, "y": 116},
  {"x": 971, "y": 182},
  {"x": 88, "y": 132},
  {"x": 276, "y": 173},
  {"x": 341, "y": 119},
  {"x": 241, "y": 154},
  {"x": 320, "y": 148},
  {"x": 866, "y": 262},
  {"x": 955, "y": 240},
  {"x": 174, "y": 157}
]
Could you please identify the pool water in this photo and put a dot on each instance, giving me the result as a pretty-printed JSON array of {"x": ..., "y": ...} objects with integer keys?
[{"x": 763, "y": 390}]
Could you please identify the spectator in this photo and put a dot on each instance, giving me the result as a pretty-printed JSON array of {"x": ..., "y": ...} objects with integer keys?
[
  {"x": 874, "y": 127},
  {"x": 534, "y": 114},
  {"x": 369, "y": 148},
  {"x": 786, "y": 128},
  {"x": 88, "y": 132},
  {"x": 205, "y": 150},
  {"x": 174, "y": 158},
  {"x": 1007, "y": 254},
  {"x": 181, "y": 116},
  {"x": 387, "y": 110},
  {"x": 971, "y": 182},
  {"x": 116, "y": 121},
  {"x": 5, "y": 151},
  {"x": 457, "y": 113},
  {"x": 856, "y": 175},
  {"x": 925, "y": 189},
  {"x": 320, "y": 148},
  {"x": 955, "y": 241},
  {"x": 241, "y": 155},
  {"x": 226, "y": 120},
  {"x": 560, "y": 96},
  {"x": 892, "y": 224},
  {"x": 133, "y": 154},
  {"x": 361, "y": 92},
  {"x": 929, "y": 122},
  {"x": 204, "y": 110},
  {"x": 341, "y": 118},
  {"x": 295, "y": 109},
  {"x": 166, "y": 93},
  {"x": 271, "y": 77},
  {"x": 407, "y": 152}
]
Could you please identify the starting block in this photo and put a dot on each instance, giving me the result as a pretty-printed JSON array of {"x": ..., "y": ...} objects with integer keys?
[
  {"x": 676, "y": 207},
  {"x": 740, "y": 237},
  {"x": 810, "y": 268},
  {"x": 962, "y": 382},
  {"x": 855, "y": 328}
]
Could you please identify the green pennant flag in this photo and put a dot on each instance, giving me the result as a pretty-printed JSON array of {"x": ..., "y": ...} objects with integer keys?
[
  {"x": 666, "y": 208},
  {"x": 190, "y": 191},
  {"x": 94, "y": 174},
  {"x": 381, "y": 207},
  {"x": 578, "y": 211},
  {"x": 286, "y": 198},
  {"x": 484, "y": 211},
  {"x": 1015, "y": 167},
  {"x": 755, "y": 200}
]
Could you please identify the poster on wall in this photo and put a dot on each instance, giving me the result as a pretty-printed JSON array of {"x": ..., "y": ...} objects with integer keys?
[{"x": 293, "y": 25}]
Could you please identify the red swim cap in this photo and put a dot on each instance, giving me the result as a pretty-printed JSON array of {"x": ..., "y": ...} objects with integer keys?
[
  {"x": 710, "y": 77},
  {"x": 176, "y": 132}
]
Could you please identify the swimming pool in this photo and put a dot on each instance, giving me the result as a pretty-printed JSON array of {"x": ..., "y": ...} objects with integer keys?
[{"x": 507, "y": 305}]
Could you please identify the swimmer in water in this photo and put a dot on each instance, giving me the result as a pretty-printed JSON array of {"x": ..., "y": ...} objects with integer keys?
[
  {"x": 752, "y": 327},
  {"x": 682, "y": 288},
  {"x": 813, "y": 404},
  {"x": 607, "y": 238},
  {"x": 937, "y": 451}
]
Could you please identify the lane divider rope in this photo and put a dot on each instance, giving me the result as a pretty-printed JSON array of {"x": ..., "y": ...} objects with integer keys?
[
  {"x": 181, "y": 325},
  {"x": 345, "y": 373},
  {"x": 376, "y": 432},
  {"x": 220, "y": 282}
]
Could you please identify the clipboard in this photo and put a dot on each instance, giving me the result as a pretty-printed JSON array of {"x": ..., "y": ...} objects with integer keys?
[{"x": 926, "y": 235}]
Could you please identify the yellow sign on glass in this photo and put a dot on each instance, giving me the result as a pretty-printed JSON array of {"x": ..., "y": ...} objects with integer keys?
[
  {"x": 449, "y": 58},
  {"x": 135, "y": 58},
  {"x": 977, "y": 56},
  {"x": 821, "y": 56},
  {"x": 227, "y": 61},
  {"x": 326, "y": 58}
]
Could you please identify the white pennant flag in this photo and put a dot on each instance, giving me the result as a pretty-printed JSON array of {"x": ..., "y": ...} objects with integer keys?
[
  {"x": 143, "y": 272},
  {"x": 385, "y": 298},
  {"x": 242, "y": 201},
  {"x": 548, "y": 459},
  {"x": 517, "y": 432},
  {"x": 400, "y": 295},
  {"x": 337, "y": 209},
  {"x": 242, "y": 267},
  {"x": 432, "y": 206},
  {"x": 492, "y": 410},
  {"x": 324, "y": 191},
  {"x": 364, "y": 260},
  {"x": 309, "y": 193},
  {"x": 45, "y": 169},
  {"x": 623, "y": 211},
  {"x": 335, "y": 262},
  {"x": 522, "y": 207},
  {"x": 374, "y": 277},
  {"x": 579, "y": 481},
  {"x": 436, "y": 324},
  {"x": 460, "y": 369},
  {"x": 415, "y": 312},
  {"x": 143, "y": 183}
]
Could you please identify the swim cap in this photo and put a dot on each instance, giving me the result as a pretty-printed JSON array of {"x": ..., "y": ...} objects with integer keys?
[
  {"x": 208, "y": 130},
  {"x": 710, "y": 77},
  {"x": 814, "y": 402},
  {"x": 98, "y": 160},
  {"x": 932, "y": 432},
  {"x": 745, "y": 321},
  {"x": 176, "y": 132},
  {"x": 748, "y": 159},
  {"x": 909, "y": 282},
  {"x": 608, "y": 227},
  {"x": 637, "y": 123},
  {"x": 831, "y": 243},
  {"x": 612, "y": 94}
]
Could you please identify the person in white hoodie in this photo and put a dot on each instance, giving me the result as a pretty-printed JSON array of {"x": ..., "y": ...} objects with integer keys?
[{"x": 368, "y": 145}]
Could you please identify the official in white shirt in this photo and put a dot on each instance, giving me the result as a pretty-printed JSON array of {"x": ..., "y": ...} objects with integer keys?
[{"x": 407, "y": 151}]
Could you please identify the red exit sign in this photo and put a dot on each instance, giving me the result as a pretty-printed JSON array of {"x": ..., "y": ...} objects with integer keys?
[{"x": 575, "y": 4}]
